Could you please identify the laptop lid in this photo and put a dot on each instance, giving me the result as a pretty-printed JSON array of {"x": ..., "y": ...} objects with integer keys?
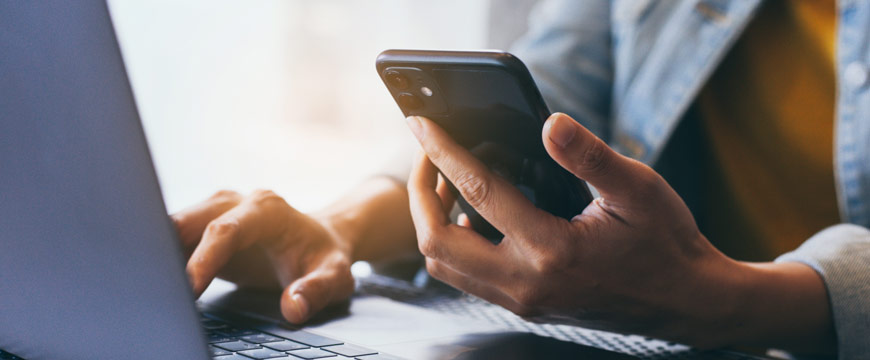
[{"x": 89, "y": 264}]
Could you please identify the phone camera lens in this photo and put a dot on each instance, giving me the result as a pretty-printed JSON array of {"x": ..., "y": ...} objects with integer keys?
[
  {"x": 397, "y": 80},
  {"x": 409, "y": 101}
]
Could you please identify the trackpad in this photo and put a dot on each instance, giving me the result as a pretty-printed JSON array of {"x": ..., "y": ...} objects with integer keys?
[
  {"x": 376, "y": 321},
  {"x": 417, "y": 333}
]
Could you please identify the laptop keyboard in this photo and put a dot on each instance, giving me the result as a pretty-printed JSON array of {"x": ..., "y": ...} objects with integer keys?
[{"x": 228, "y": 342}]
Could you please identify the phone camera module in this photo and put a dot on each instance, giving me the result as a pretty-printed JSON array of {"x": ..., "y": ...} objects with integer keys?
[
  {"x": 397, "y": 80},
  {"x": 409, "y": 101}
]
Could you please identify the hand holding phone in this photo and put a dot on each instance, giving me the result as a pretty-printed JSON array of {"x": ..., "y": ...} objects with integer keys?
[{"x": 488, "y": 103}]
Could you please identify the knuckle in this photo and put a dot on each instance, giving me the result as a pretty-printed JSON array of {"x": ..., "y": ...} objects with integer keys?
[
  {"x": 222, "y": 228},
  {"x": 475, "y": 189},
  {"x": 342, "y": 276},
  {"x": 596, "y": 159},
  {"x": 549, "y": 263},
  {"x": 262, "y": 194},
  {"x": 224, "y": 193},
  {"x": 428, "y": 244},
  {"x": 267, "y": 198},
  {"x": 343, "y": 288},
  {"x": 342, "y": 264},
  {"x": 225, "y": 196}
]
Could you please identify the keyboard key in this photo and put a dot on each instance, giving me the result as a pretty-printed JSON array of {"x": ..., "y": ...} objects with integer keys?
[
  {"x": 263, "y": 354},
  {"x": 215, "y": 351},
  {"x": 237, "y": 332},
  {"x": 216, "y": 338},
  {"x": 310, "y": 339},
  {"x": 311, "y": 354},
  {"x": 285, "y": 345},
  {"x": 210, "y": 324},
  {"x": 350, "y": 350},
  {"x": 231, "y": 357},
  {"x": 215, "y": 327},
  {"x": 378, "y": 357},
  {"x": 261, "y": 338},
  {"x": 237, "y": 345}
]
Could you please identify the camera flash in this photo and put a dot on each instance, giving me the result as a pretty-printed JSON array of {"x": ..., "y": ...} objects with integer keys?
[{"x": 426, "y": 91}]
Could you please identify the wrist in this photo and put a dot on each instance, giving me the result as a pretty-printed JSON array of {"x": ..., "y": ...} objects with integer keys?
[
  {"x": 711, "y": 302},
  {"x": 342, "y": 228},
  {"x": 370, "y": 222},
  {"x": 783, "y": 306}
]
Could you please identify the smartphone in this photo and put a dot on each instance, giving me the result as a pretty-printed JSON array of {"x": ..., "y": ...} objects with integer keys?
[{"x": 489, "y": 104}]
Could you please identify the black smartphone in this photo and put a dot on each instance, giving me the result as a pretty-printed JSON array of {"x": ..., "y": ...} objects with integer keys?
[{"x": 488, "y": 102}]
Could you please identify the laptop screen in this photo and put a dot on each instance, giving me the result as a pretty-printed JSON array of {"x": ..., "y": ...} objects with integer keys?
[{"x": 89, "y": 267}]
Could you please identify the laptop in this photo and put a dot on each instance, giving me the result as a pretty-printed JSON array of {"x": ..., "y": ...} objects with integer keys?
[{"x": 90, "y": 266}]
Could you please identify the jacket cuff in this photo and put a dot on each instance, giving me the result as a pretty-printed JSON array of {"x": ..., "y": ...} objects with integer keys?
[{"x": 841, "y": 256}]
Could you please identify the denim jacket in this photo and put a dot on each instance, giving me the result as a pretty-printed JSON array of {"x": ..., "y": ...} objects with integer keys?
[{"x": 630, "y": 69}]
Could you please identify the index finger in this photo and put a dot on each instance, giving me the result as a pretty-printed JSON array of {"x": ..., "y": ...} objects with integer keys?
[
  {"x": 258, "y": 217},
  {"x": 499, "y": 202},
  {"x": 461, "y": 248},
  {"x": 191, "y": 222}
]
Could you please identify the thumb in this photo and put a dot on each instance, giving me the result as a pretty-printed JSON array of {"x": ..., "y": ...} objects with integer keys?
[
  {"x": 311, "y": 293},
  {"x": 586, "y": 156}
]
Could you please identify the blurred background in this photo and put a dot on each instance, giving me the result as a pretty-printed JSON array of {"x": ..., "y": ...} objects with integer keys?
[{"x": 283, "y": 94}]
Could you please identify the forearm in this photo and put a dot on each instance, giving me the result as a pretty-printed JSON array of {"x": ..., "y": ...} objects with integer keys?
[
  {"x": 373, "y": 220},
  {"x": 727, "y": 303}
]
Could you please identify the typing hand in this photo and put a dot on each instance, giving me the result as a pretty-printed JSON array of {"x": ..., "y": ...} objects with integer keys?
[{"x": 260, "y": 240}]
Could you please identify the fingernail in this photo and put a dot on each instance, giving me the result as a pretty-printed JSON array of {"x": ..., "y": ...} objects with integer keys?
[
  {"x": 301, "y": 306},
  {"x": 415, "y": 126},
  {"x": 561, "y": 131}
]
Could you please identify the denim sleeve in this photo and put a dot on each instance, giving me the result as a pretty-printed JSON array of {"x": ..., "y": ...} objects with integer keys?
[
  {"x": 841, "y": 255},
  {"x": 568, "y": 51}
]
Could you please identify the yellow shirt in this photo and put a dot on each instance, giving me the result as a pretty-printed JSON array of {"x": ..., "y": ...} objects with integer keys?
[{"x": 768, "y": 114}]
